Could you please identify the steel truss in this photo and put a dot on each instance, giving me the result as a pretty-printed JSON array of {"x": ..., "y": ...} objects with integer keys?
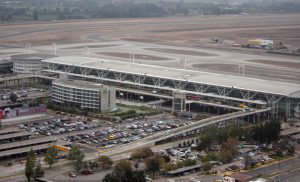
[
  {"x": 201, "y": 88},
  {"x": 272, "y": 100},
  {"x": 158, "y": 81},
  {"x": 248, "y": 94}
]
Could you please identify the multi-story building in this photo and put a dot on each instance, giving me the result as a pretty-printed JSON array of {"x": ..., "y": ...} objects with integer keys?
[
  {"x": 83, "y": 95},
  {"x": 297, "y": 111},
  {"x": 5, "y": 66},
  {"x": 29, "y": 63}
]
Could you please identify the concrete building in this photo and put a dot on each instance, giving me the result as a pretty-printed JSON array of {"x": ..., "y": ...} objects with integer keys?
[
  {"x": 28, "y": 63},
  {"x": 5, "y": 66},
  {"x": 83, "y": 95},
  {"x": 297, "y": 111},
  {"x": 179, "y": 102}
]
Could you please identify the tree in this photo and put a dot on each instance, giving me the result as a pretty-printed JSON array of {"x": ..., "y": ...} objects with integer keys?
[
  {"x": 123, "y": 169},
  {"x": 79, "y": 163},
  {"x": 205, "y": 141},
  {"x": 35, "y": 15},
  {"x": 142, "y": 153},
  {"x": 226, "y": 155},
  {"x": 76, "y": 155},
  {"x": 105, "y": 162},
  {"x": 248, "y": 161},
  {"x": 111, "y": 177},
  {"x": 267, "y": 132},
  {"x": 51, "y": 156},
  {"x": 38, "y": 171},
  {"x": 93, "y": 164},
  {"x": 211, "y": 156},
  {"x": 231, "y": 145},
  {"x": 123, "y": 173},
  {"x": 152, "y": 166},
  {"x": 30, "y": 164},
  {"x": 207, "y": 167},
  {"x": 13, "y": 97},
  {"x": 139, "y": 176},
  {"x": 136, "y": 164}
]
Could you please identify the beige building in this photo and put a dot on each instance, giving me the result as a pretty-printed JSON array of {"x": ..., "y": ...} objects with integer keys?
[
  {"x": 83, "y": 95},
  {"x": 29, "y": 63}
]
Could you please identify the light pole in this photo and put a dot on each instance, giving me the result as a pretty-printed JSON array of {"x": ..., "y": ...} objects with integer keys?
[
  {"x": 121, "y": 96},
  {"x": 87, "y": 51},
  {"x": 54, "y": 46}
]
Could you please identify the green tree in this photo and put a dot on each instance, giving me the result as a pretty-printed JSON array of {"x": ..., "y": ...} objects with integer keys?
[
  {"x": 123, "y": 169},
  {"x": 142, "y": 153},
  {"x": 79, "y": 163},
  {"x": 38, "y": 171},
  {"x": 139, "y": 176},
  {"x": 152, "y": 166},
  {"x": 248, "y": 161},
  {"x": 93, "y": 165},
  {"x": 77, "y": 156},
  {"x": 13, "y": 97},
  {"x": 211, "y": 156},
  {"x": 30, "y": 164},
  {"x": 205, "y": 141},
  {"x": 35, "y": 15},
  {"x": 206, "y": 167},
  {"x": 267, "y": 132},
  {"x": 51, "y": 156},
  {"x": 123, "y": 173},
  {"x": 111, "y": 177},
  {"x": 74, "y": 153},
  {"x": 105, "y": 162}
]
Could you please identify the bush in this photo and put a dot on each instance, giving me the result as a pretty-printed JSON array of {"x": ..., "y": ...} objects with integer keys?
[
  {"x": 180, "y": 164},
  {"x": 211, "y": 156},
  {"x": 142, "y": 153}
]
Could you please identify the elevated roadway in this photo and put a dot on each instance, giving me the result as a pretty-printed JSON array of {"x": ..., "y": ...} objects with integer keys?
[
  {"x": 159, "y": 95},
  {"x": 214, "y": 105},
  {"x": 18, "y": 77},
  {"x": 20, "y": 80}
]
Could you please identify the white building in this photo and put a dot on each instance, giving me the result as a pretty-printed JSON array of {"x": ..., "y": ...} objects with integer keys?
[
  {"x": 297, "y": 111},
  {"x": 83, "y": 95},
  {"x": 29, "y": 63}
]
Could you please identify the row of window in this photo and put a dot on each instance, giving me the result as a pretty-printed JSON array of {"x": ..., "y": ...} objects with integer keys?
[
  {"x": 92, "y": 103},
  {"x": 86, "y": 105},
  {"x": 76, "y": 98},
  {"x": 55, "y": 86}
]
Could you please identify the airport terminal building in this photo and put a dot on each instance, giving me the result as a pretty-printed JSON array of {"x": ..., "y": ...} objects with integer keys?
[
  {"x": 211, "y": 89},
  {"x": 83, "y": 95}
]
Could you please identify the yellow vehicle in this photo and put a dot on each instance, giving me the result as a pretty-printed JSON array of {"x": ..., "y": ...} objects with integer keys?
[
  {"x": 61, "y": 148},
  {"x": 242, "y": 105},
  {"x": 111, "y": 137},
  {"x": 218, "y": 180}
]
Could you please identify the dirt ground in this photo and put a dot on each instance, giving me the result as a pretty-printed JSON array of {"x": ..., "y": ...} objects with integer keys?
[
  {"x": 166, "y": 40},
  {"x": 92, "y": 46},
  {"x": 178, "y": 51},
  {"x": 136, "y": 56},
  {"x": 176, "y": 30},
  {"x": 278, "y": 63}
]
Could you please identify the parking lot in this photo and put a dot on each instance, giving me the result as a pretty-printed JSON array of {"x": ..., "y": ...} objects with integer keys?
[
  {"x": 21, "y": 93},
  {"x": 98, "y": 133}
]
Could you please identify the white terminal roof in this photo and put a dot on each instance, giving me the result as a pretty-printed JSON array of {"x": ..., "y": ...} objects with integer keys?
[
  {"x": 77, "y": 84},
  {"x": 229, "y": 81}
]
